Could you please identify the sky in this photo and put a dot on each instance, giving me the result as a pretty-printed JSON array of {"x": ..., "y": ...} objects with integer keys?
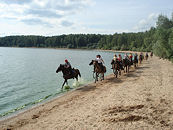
[{"x": 57, "y": 17}]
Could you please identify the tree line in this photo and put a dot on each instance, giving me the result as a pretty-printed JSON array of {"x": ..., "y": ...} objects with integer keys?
[{"x": 158, "y": 39}]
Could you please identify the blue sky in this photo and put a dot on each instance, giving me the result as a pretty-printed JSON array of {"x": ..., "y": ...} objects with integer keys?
[{"x": 56, "y": 17}]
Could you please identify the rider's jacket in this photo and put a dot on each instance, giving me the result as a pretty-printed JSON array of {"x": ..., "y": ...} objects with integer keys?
[
  {"x": 100, "y": 60},
  {"x": 67, "y": 65}
]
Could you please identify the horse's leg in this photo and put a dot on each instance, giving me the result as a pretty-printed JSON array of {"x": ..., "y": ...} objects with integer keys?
[
  {"x": 120, "y": 72},
  {"x": 64, "y": 83},
  {"x": 76, "y": 77},
  {"x": 96, "y": 77}
]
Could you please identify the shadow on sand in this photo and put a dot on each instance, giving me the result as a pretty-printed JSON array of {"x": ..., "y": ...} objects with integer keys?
[
  {"x": 145, "y": 67},
  {"x": 114, "y": 79},
  {"x": 87, "y": 88}
]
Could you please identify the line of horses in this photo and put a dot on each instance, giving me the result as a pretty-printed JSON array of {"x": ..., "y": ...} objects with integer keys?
[{"x": 99, "y": 71}]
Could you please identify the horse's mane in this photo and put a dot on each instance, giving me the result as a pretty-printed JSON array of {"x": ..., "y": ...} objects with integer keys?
[{"x": 62, "y": 65}]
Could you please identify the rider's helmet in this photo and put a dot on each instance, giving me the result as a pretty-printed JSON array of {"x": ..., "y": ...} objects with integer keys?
[{"x": 66, "y": 60}]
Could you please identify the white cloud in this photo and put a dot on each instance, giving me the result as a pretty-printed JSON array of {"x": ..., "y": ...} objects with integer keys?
[
  {"x": 42, "y": 12},
  {"x": 147, "y": 23}
]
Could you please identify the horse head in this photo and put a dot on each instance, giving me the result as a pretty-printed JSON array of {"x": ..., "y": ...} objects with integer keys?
[
  {"x": 95, "y": 62},
  {"x": 60, "y": 68},
  {"x": 91, "y": 63}
]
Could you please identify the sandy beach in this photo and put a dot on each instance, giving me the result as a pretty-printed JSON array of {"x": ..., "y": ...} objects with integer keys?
[{"x": 141, "y": 99}]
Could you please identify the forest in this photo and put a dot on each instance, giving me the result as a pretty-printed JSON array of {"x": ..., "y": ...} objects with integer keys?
[{"x": 158, "y": 39}]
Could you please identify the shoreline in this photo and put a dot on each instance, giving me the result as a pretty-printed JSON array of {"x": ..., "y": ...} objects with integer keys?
[
  {"x": 61, "y": 94},
  {"x": 20, "y": 109},
  {"x": 36, "y": 112},
  {"x": 118, "y": 51}
]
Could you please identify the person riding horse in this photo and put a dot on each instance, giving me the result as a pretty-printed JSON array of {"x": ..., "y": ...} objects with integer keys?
[
  {"x": 67, "y": 72},
  {"x": 126, "y": 57},
  {"x": 120, "y": 61},
  {"x": 126, "y": 63},
  {"x": 100, "y": 61},
  {"x": 141, "y": 57},
  {"x": 135, "y": 60},
  {"x": 151, "y": 54},
  {"x": 131, "y": 58},
  {"x": 117, "y": 60},
  {"x": 67, "y": 65},
  {"x": 146, "y": 55}
]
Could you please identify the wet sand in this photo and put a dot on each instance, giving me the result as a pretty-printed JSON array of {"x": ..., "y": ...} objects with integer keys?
[{"x": 141, "y": 99}]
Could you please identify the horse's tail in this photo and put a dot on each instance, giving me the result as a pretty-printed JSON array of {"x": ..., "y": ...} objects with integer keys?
[
  {"x": 104, "y": 69},
  {"x": 78, "y": 72}
]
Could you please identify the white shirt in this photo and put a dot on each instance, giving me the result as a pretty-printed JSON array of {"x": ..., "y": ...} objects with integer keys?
[{"x": 100, "y": 60}]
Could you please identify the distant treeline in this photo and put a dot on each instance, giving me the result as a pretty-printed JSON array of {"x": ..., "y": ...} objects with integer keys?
[{"x": 159, "y": 40}]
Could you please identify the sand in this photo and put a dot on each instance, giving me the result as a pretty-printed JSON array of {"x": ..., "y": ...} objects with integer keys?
[{"x": 141, "y": 99}]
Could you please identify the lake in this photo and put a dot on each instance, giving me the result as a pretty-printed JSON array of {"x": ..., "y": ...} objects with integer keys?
[{"x": 27, "y": 75}]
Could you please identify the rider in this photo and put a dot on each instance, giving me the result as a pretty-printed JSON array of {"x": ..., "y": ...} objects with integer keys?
[
  {"x": 131, "y": 56},
  {"x": 68, "y": 66},
  {"x": 120, "y": 57},
  {"x": 120, "y": 61},
  {"x": 136, "y": 57},
  {"x": 146, "y": 55},
  {"x": 151, "y": 54},
  {"x": 126, "y": 56},
  {"x": 115, "y": 57},
  {"x": 100, "y": 61}
]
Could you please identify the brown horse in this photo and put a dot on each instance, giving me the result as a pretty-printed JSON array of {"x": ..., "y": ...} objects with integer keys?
[
  {"x": 141, "y": 57},
  {"x": 126, "y": 64},
  {"x": 151, "y": 54},
  {"x": 116, "y": 68},
  {"x": 66, "y": 75},
  {"x": 146, "y": 56},
  {"x": 98, "y": 70},
  {"x": 135, "y": 61}
]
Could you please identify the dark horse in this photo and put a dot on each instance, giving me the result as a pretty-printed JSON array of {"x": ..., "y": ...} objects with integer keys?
[
  {"x": 141, "y": 57},
  {"x": 135, "y": 61},
  {"x": 126, "y": 64},
  {"x": 116, "y": 67},
  {"x": 151, "y": 54},
  {"x": 98, "y": 69},
  {"x": 66, "y": 75}
]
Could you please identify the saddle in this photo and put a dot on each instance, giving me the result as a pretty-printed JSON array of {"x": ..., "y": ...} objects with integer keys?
[{"x": 70, "y": 72}]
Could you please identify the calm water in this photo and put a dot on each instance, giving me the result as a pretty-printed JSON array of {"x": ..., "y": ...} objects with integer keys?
[{"x": 27, "y": 75}]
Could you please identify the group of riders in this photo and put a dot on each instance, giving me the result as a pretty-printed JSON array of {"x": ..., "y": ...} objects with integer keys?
[
  {"x": 116, "y": 60},
  {"x": 118, "y": 64}
]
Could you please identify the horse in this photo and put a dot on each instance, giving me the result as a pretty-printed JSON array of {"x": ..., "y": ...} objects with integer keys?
[
  {"x": 135, "y": 61},
  {"x": 146, "y": 56},
  {"x": 116, "y": 68},
  {"x": 141, "y": 57},
  {"x": 98, "y": 70},
  {"x": 151, "y": 54},
  {"x": 126, "y": 64},
  {"x": 66, "y": 75}
]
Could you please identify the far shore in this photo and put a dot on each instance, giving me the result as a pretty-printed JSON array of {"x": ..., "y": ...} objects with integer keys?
[{"x": 116, "y": 51}]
